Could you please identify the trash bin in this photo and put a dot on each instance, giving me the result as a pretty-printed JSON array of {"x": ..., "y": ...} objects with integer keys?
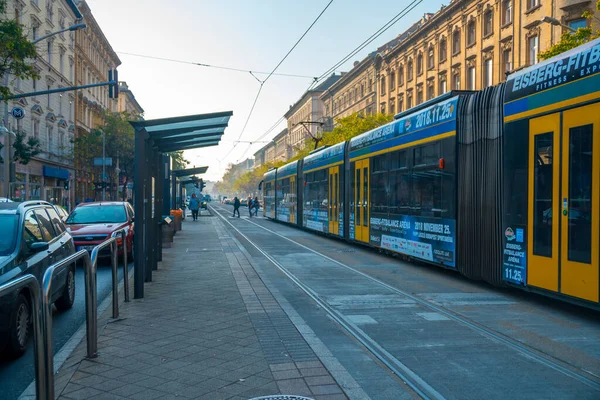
[
  {"x": 176, "y": 214},
  {"x": 168, "y": 231}
]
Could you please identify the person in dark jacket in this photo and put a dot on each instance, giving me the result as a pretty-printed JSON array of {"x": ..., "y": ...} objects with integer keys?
[
  {"x": 250, "y": 206},
  {"x": 194, "y": 206},
  {"x": 236, "y": 206},
  {"x": 256, "y": 205}
]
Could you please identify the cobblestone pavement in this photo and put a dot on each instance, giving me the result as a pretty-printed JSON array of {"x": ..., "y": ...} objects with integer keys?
[{"x": 208, "y": 328}]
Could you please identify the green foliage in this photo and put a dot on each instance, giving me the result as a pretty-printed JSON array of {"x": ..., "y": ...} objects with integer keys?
[
  {"x": 24, "y": 148},
  {"x": 570, "y": 40},
  {"x": 346, "y": 128},
  {"x": 179, "y": 162},
  {"x": 16, "y": 52},
  {"x": 120, "y": 141}
]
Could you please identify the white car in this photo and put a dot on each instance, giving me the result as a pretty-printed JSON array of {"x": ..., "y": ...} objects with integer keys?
[{"x": 5, "y": 200}]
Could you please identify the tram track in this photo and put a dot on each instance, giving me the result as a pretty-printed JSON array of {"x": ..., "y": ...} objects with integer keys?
[{"x": 396, "y": 366}]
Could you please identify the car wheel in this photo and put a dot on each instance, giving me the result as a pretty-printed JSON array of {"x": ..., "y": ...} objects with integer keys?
[
  {"x": 67, "y": 298},
  {"x": 19, "y": 327}
]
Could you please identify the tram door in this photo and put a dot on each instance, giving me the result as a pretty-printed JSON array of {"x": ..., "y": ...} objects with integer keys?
[
  {"x": 293, "y": 199},
  {"x": 334, "y": 200},
  {"x": 564, "y": 204},
  {"x": 361, "y": 200}
]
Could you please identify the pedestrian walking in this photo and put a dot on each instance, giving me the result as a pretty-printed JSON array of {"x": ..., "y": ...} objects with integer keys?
[
  {"x": 250, "y": 206},
  {"x": 236, "y": 206},
  {"x": 194, "y": 206},
  {"x": 256, "y": 206}
]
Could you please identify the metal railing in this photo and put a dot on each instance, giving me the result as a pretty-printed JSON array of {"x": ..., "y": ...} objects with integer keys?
[
  {"x": 29, "y": 281},
  {"x": 112, "y": 242},
  {"x": 91, "y": 300}
]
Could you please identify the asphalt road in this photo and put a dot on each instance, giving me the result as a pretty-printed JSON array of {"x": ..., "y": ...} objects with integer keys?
[{"x": 16, "y": 375}]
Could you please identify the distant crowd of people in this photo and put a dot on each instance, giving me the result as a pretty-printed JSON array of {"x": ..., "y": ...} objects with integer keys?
[{"x": 253, "y": 206}]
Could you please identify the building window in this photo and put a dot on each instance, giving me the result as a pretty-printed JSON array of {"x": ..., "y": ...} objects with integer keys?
[
  {"x": 456, "y": 42},
  {"x": 430, "y": 59},
  {"x": 532, "y": 49},
  {"x": 419, "y": 95},
  {"x": 61, "y": 62},
  {"x": 430, "y": 91},
  {"x": 578, "y": 23},
  {"x": 488, "y": 72},
  {"x": 370, "y": 84},
  {"x": 401, "y": 76},
  {"x": 34, "y": 31},
  {"x": 443, "y": 87},
  {"x": 362, "y": 90},
  {"x": 392, "y": 82},
  {"x": 409, "y": 71},
  {"x": 71, "y": 72},
  {"x": 36, "y": 129},
  {"x": 392, "y": 107},
  {"x": 400, "y": 104},
  {"x": 409, "y": 101},
  {"x": 471, "y": 78},
  {"x": 382, "y": 85},
  {"x": 49, "y": 11},
  {"x": 471, "y": 33},
  {"x": 50, "y": 52},
  {"x": 49, "y": 96},
  {"x": 506, "y": 60},
  {"x": 70, "y": 110},
  {"x": 456, "y": 81},
  {"x": 488, "y": 23},
  {"x": 532, "y": 4},
  {"x": 17, "y": 16},
  {"x": 443, "y": 49},
  {"x": 60, "y": 99},
  {"x": 420, "y": 64},
  {"x": 48, "y": 138}
]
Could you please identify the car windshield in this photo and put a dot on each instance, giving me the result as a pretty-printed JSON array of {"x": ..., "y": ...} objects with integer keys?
[
  {"x": 97, "y": 215},
  {"x": 9, "y": 233}
]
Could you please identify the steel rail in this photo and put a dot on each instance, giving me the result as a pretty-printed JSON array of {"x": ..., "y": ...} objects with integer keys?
[
  {"x": 537, "y": 355},
  {"x": 414, "y": 381}
]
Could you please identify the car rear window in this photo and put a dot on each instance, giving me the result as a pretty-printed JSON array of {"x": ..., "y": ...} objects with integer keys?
[
  {"x": 100, "y": 214},
  {"x": 9, "y": 223},
  {"x": 45, "y": 224},
  {"x": 58, "y": 225}
]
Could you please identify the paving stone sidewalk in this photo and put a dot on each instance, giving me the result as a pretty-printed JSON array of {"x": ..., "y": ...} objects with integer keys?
[{"x": 208, "y": 328}]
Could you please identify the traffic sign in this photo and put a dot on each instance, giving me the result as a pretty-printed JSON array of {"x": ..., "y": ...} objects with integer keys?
[{"x": 17, "y": 112}]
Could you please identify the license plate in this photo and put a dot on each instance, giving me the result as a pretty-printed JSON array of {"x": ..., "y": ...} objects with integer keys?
[{"x": 88, "y": 248}]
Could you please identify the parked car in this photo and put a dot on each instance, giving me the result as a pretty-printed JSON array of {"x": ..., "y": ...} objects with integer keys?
[
  {"x": 33, "y": 238},
  {"x": 92, "y": 223},
  {"x": 62, "y": 213}
]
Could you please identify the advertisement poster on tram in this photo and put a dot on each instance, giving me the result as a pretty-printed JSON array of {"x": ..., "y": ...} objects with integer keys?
[
  {"x": 514, "y": 254},
  {"x": 430, "y": 239}
]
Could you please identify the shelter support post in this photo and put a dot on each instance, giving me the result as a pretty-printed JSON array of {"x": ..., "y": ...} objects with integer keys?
[{"x": 139, "y": 209}]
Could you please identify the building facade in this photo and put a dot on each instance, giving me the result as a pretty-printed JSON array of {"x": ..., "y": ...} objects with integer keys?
[
  {"x": 48, "y": 118},
  {"x": 94, "y": 58},
  {"x": 304, "y": 117},
  {"x": 354, "y": 92},
  {"x": 468, "y": 45},
  {"x": 127, "y": 102},
  {"x": 283, "y": 148}
]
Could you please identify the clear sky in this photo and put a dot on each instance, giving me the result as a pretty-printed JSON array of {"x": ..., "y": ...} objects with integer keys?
[{"x": 246, "y": 34}]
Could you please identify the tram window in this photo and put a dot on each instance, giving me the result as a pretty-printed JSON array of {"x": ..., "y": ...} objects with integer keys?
[
  {"x": 399, "y": 182},
  {"x": 399, "y": 159},
  {"x": 426, "y": 193},
  {"x": 379, "y": 184},
  {"x": 542, "y": 192},
  {"x": 427, "y": 155},
  {"x": 580, "y": 196}
]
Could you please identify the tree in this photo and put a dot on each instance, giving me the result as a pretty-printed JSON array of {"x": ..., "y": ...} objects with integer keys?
[
  {"x": 569, "y": 40},
  {"x": 179, "y": 161},
  {"x": 346, "y": 129},
  {"x": 25, "y": 148},
  {"x": 16, "y": 52}
]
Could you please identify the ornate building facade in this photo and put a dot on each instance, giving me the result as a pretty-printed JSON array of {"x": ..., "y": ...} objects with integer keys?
[
  {"x": 50, "y": 117},
  {"x": 127, "y": 102},
  {"x": 468, "y": 45},
  {"x": 354, "y": 92},
  {"x": 94, "y": 58}
]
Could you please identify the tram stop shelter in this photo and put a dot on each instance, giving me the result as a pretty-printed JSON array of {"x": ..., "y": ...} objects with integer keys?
[{"x": 152, "y": 177}]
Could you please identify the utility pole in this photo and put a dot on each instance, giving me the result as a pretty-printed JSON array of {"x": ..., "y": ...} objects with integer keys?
[{"x": 103, "y": 167}]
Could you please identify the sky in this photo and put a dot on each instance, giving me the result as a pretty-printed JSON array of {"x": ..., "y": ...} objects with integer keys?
[{"x": 246, "y": 34}]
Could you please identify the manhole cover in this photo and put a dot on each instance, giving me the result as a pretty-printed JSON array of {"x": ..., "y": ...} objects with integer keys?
[{"x": 281, "y": 397}]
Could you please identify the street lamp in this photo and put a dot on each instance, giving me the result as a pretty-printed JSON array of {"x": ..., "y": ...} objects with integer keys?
[
  {"x": 555, "y": 22},
  {"x": 6, "y": 80},
  {"x": 70, "y": 28}
]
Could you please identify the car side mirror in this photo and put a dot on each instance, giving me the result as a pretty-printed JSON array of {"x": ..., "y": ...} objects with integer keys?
[
  {"x": 39, "y": 246},
  {"x": 132, "y": 219}
]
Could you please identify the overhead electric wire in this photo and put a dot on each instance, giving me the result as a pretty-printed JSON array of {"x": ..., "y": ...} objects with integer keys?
[
  {"x": 374, "y": 36},
  {"x": 214, "y": 66},
  {"x": 364, "y": 44},
  {"x": 272, "y": 72}
]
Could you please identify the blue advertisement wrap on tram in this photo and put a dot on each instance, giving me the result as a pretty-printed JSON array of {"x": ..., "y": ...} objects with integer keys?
[{"x": 429, "y": 239}]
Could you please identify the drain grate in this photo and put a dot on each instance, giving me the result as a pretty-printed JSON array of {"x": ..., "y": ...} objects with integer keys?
[{"x": 281, "y": 397}]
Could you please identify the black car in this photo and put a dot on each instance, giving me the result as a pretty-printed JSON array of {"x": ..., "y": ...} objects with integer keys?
[{"x": 33, "y": 238}]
